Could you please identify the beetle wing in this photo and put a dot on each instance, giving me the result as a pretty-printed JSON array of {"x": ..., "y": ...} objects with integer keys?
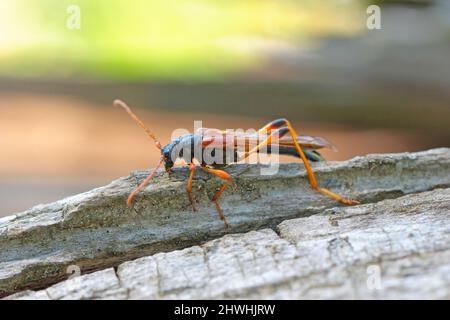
[
  {"x": 216, "y": 138},
  {"x": 310, "y": 142}
]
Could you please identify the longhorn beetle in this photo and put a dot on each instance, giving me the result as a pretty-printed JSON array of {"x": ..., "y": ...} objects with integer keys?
[{"x": 279, "y": 133}]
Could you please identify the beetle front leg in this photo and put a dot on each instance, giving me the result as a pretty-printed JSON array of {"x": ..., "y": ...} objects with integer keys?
[{"x": 192, "y": 169}]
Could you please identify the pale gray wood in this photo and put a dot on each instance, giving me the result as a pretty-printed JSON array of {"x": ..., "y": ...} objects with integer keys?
[
  {"x": 95, "y": 230},
  {"x": 392, "y": 249}
]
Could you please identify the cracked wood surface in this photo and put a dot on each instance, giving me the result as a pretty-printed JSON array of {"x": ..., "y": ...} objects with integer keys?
[
  {"x": 404, "y": 243},
  {"x": 95, "y": 230}
]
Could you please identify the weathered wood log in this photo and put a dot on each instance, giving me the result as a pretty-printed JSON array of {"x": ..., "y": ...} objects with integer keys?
[
  {"x": 95, "y": 230},
  {"x": 397, "y": 248}
]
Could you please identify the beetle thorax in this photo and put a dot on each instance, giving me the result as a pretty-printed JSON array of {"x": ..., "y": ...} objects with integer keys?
[{"x": 186, "y": 147}]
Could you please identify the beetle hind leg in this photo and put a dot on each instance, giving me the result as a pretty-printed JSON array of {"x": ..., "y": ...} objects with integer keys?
[{"x": 284, "y": 123}]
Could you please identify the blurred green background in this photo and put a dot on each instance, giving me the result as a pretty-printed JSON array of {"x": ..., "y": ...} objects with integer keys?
[
  {"x": 229, "y": 63},
  {"x": 160, "y": 40}
]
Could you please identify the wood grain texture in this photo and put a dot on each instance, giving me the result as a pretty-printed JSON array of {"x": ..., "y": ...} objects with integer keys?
[
  {"x": 96, "y": 231},
  {"x": 393, "y": 249}
]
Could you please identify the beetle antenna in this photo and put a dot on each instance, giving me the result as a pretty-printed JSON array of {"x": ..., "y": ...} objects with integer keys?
[{"x": 121, "y": 104}]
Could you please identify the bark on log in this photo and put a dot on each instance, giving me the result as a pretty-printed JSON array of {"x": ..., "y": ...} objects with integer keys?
[
  {"x": 95, "y": 230},
  {"x": 398, "y": 248}
]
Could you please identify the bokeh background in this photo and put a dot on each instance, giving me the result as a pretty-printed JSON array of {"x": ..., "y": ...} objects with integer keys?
[{"x": 229, "y": 63}]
